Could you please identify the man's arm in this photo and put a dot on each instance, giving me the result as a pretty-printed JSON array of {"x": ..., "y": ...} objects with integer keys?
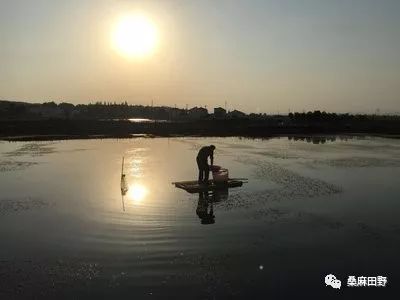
[{"x": 212, "y": 158}]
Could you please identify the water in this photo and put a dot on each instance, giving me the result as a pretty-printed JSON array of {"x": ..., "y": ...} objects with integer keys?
[{"x": 311, "y": 207}]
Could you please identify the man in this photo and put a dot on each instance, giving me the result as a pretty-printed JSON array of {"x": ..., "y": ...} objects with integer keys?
[{"x": 202, "y": 162}]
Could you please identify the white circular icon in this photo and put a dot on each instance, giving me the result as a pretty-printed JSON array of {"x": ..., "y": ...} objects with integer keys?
[{"x": 331, "y": 280}]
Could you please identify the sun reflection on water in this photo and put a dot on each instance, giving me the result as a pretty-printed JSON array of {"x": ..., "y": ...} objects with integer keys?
[
  {"x": 136, "y": 167},
  {"x": 137, "y": 192}
]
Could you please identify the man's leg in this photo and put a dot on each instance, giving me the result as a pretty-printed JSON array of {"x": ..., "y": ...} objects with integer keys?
[
  {"x": 199, "y": 165},
  {"x": 200, "y": 175},
  {"x": 207, "y": 173}
]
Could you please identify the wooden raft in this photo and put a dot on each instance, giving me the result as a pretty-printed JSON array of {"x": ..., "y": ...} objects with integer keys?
[{"x": 195, "y": 187}]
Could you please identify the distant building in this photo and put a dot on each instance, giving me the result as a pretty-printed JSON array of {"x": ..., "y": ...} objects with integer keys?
[
  {"x": 197, "y": 113},
  {"x": 219, "y": 112},
  {"x": 236, "y": 114}
]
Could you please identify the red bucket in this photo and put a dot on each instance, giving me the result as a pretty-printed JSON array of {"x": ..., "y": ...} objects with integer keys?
[{"x": 215, "y": 168}]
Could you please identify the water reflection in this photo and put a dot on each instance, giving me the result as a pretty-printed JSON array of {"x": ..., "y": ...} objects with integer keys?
[
  {"x": 318, "y": 139},
  {"x": 137, "y": 192},
  {"x": 160, "y": 239},
  {"x": 136, "y": 167},
  {"x": 124, "y": 184},
  {"x": 205, "y": 205}
]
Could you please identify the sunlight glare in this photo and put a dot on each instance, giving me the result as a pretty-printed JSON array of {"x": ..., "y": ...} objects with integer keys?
[
  {"x": 135, "y": 36},
  {"x": 137, "y": 192}
]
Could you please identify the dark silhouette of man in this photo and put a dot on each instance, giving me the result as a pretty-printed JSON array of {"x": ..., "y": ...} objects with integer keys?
[{"x": 202, "y": 162}]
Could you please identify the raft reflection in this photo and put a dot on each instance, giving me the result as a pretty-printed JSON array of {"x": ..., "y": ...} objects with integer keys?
[{"x": 205, "y": 205}]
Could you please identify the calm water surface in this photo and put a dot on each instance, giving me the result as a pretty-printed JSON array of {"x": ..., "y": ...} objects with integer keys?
[{"x": 311, "y": 207}]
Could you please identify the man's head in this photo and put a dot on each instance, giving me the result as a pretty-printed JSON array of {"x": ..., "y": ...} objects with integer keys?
[{"x": 212, "y": 147}]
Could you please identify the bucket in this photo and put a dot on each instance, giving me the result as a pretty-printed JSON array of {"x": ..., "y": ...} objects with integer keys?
[
  {"x": 220, "y": 176},
  {"x": 215, "y": 168}
]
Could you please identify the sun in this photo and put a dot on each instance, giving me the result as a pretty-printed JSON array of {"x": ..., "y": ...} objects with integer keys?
[{"x": 135, "y": 36}]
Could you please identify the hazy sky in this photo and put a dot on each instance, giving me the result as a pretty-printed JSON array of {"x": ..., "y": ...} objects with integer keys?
[{"x": 266, "y": 56}]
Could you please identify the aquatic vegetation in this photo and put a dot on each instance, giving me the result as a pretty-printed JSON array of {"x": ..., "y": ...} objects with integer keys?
[
  {"x": 314, "y": 220},
  {"x": 32, "y": 149},
  {"x": 11, "y": 165},
  {"x": 290, "y": 181},
  {"x": 358, "y": 162},
  {"x": 278, "y": 154},
  {"x": 272, "y": 214},
  {"x": 291, "y": 186},
  {"x": 236, "y": 146},
  {"x": 21, "y": 204},
  {"x": 193, "y": 144},
  {"x": 369, "y": 231},
  {"x": 44, "y": 278}
]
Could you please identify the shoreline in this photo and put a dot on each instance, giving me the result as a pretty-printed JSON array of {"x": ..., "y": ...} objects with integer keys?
[
  {"x": 43, "y": 138},
  {"x": 28, "y": 130}
]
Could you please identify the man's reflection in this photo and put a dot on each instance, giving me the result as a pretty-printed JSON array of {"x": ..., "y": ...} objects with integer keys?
[{"x": 205, "y": 205}]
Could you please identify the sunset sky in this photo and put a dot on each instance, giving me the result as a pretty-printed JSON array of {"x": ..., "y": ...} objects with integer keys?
[{"x": 259, "y": 56}]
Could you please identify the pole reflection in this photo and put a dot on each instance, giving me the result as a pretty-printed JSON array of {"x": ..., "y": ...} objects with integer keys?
[{"x": 135, "y": 192}]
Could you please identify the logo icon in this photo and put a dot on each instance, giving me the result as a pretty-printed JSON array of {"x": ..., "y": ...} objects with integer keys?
[{"x": 332, "y": 281}]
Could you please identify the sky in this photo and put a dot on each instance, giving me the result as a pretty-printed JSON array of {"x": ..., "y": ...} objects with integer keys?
[{"x": 258, "y": 56}]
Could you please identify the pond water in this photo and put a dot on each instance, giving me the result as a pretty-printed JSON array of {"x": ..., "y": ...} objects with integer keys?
[{"x": 311, "y": 207}]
